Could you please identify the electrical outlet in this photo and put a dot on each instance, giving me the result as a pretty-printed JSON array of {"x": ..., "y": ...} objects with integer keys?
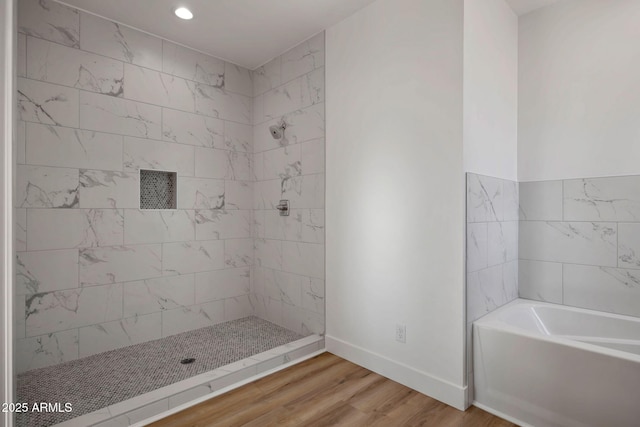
[{"x": 401, "y": 333}]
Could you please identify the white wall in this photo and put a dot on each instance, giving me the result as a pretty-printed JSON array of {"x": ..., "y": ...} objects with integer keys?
[
  {"x": 579, "y": 91},
  {"x": 490, "y": 88},
  {"x": 7, "y": 51},
  {"x": 395, "y": 192}
]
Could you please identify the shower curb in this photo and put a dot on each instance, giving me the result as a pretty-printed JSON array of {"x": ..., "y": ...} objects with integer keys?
[{"x": 164, "y": 399}]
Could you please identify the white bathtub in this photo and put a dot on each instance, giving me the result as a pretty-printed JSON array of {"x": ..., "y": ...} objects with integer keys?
[{"x": 543, "y": 364}]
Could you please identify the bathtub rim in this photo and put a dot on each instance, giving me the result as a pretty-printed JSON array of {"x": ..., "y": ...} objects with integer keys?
[{"x": 492, "y": 321}]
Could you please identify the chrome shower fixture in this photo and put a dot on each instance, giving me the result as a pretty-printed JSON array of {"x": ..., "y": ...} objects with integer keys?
[
  {"x": 283, "y": 207},
  {"x": 277, "y": 131}
]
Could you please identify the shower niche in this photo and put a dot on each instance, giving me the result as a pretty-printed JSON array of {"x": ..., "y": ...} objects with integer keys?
[{"x": 158, "y": 189}]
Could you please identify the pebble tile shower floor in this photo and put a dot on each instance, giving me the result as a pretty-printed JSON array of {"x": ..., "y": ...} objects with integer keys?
[{"x": 101, "y": 380}]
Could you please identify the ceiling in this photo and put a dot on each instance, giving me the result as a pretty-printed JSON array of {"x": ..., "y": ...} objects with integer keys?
[
  {"x": 520, "y": 7},
  {"x": 245, "y": 32}
]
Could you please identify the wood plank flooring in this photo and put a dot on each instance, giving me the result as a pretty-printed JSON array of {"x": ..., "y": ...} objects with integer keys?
[{"x": 327, "y": 391}]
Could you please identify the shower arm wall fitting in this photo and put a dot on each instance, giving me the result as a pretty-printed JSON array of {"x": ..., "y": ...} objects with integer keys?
[{"x": 277, "y": 131}]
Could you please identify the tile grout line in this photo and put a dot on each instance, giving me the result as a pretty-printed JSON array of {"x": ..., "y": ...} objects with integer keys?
[
  {"x": 79, "y": 91},
  {"x": 136, "y": 316},
  {"x": 126, "y": 171},
  {"x": 103, "y": 132},
  {"x": 562, "y": 281},
  {"x": 79, "y": 49}
]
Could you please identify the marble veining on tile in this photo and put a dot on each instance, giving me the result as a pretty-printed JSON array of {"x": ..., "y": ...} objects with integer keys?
[
  {"x": 295, "y": 95},
  {"x": 20, "y": 229},
  {"x": 267, "y": 77},
  {"x": 484, "y": 198},
  {"x": 159, "y": 294},
  {"x": 577, "y": 242},
  {"x": 313, "y": 227},
  {"x": 238, "y": 194},
  {"x": 158, "y": 88},
  {"x": 237, "y": 79},
  {"x": 45, "y": 271},
  {"x": 119, "y": 264},
  {"x": 62, "y": 310},
  {"x": 602, "y": 199},
  {"x": 238, "y": 252},
  {"x": 477, "y": 246},
  {"x": 49, "y": 20},
  {"x": 222, "y": 164},
  {"x": 629, "y": 245},
  {"x": 283, "y": 286},
  {"x": 42, "y": 187},
  {"x": 196, "y": 316},
  {"x": 192, "y": 129},
  {"x": 51, "y": 62},
  {"x": 614, "y": 290},
  {"x": 74, "y": 148},
  {"x": 158, "y": 226},
  {"x": 47, "y": 103},
  {"x": 107, "y": 189},
  {"x": 222, "y": 284},
  {"x": 540, "y": 280},
  {"x": 486, "y": 292},
  {"x": 268, "y": 253},
  {"x": 222, "y": 224},
  {"x": 588, "y": 255},
  {"x": 116, "y": 334},
  {"x": 192, "y": 65},
  {"x": 304, "y": 58},
  {"x": 124, "y": 117},
  {"x": 221, "y": 104},
  {"x": 193, "y": 257},
  {"x": 45, "y": 350},
  {"x": 492, "y": 270},
  {"x": 313, "y": 295},
  {"x": 21, "y": 142},
  {"x": 201, "y": 193},
  {"x": 74, "y": 228},
  {"x": 119, "y": 42},
  {"x": 238, "y": 137}
]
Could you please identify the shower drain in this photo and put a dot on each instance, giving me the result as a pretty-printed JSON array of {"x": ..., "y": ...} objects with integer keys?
[{"x": 188, "y": 360}]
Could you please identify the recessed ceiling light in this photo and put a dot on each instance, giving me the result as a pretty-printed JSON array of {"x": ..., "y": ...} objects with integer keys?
[{"x": 183, "y": 13}]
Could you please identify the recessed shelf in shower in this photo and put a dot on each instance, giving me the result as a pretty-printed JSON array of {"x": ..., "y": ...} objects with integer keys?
[{"x": 158, "y": 189}]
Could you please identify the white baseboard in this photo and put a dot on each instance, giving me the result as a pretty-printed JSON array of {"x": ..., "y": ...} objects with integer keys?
[{"x": 423, "y": 382}]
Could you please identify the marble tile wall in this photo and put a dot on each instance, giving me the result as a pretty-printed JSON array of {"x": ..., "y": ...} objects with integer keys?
[
  {"x": 580, "y": 243},
  {"x": 97, "y": 102},
  {"x": 492, "y": 248},
  {"x": 288, "y": 279}
]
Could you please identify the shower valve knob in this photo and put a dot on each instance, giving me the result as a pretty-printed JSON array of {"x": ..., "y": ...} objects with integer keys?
[{"x": 283, "y": 207}]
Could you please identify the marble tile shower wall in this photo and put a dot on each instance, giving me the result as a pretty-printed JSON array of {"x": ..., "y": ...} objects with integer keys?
[
  {"x": 98, "y": 102},
  {"x": 580, "y": 243},
  {"x": 492, "y": 249},
  {"x": 492, "y": 244},
  {"x": 288, "y": 279}
]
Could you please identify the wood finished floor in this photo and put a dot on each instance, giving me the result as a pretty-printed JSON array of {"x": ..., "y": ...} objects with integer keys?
[{"x": 327, "y": 391}]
